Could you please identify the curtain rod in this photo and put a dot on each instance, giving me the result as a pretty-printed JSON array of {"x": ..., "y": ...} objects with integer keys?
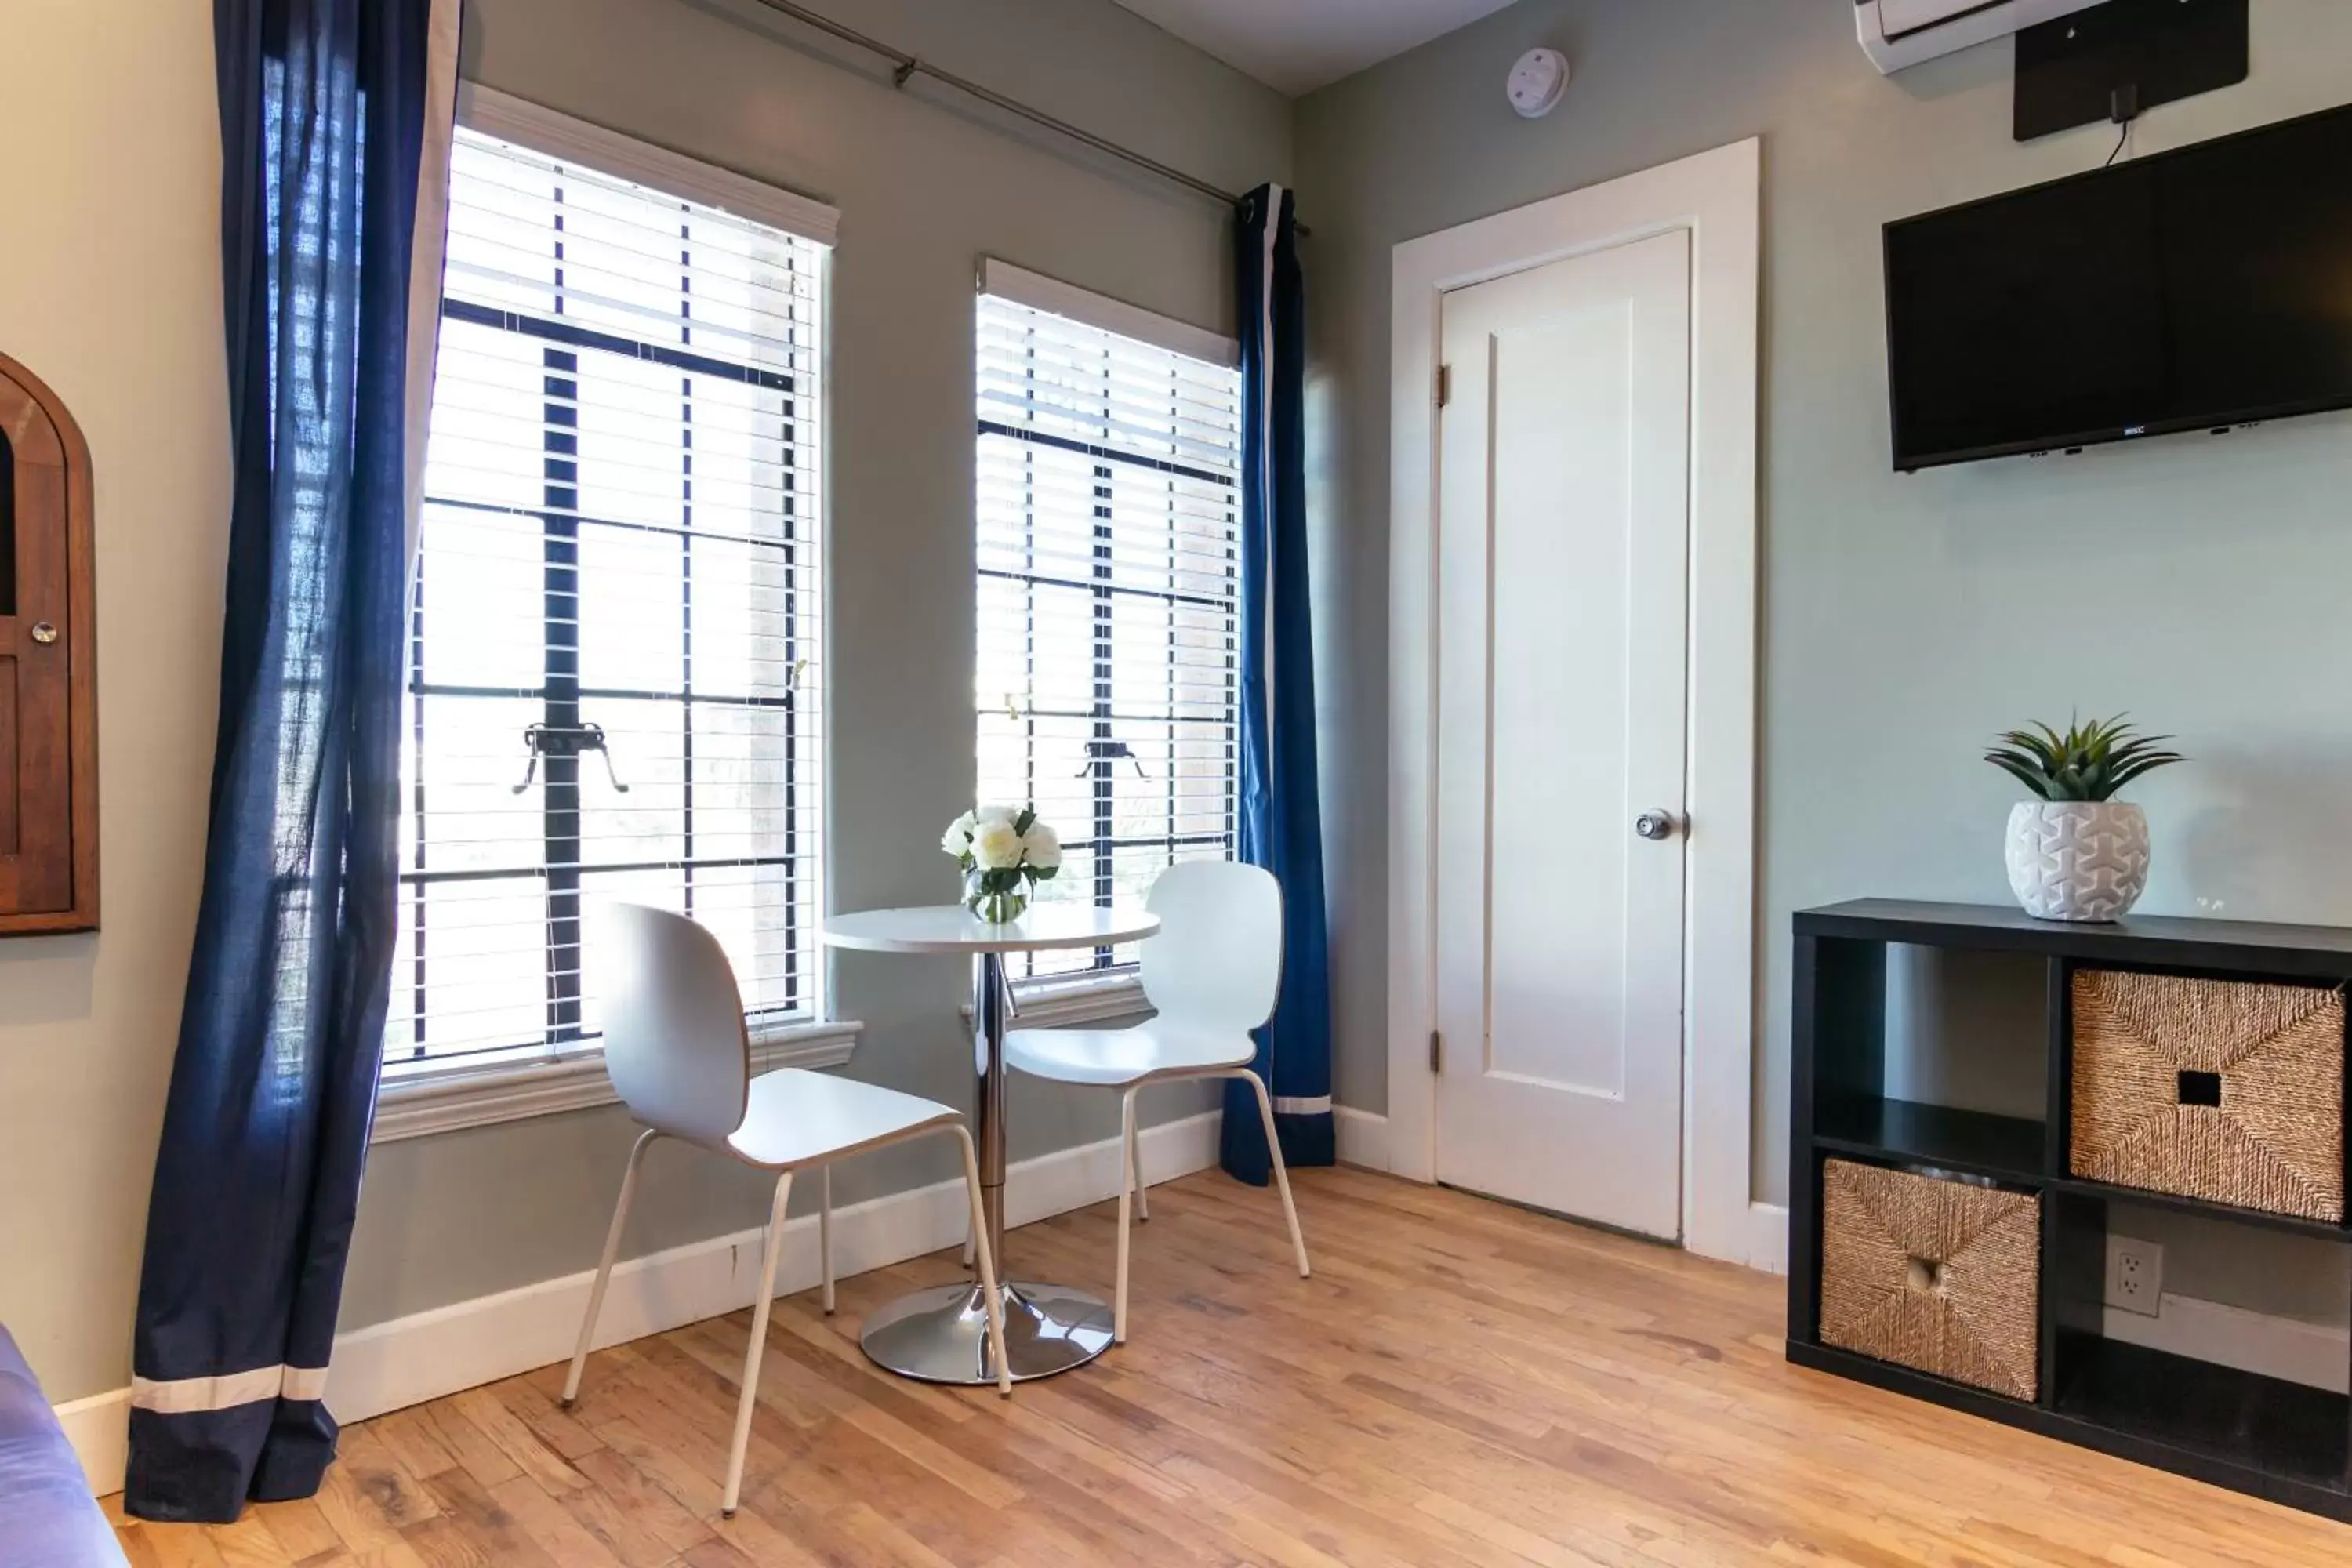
[{"x": 904, "y": 67}]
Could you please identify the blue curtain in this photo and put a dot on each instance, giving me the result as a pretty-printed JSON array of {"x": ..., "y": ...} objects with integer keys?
[
  {"x": 1281, "y": 814},
  {"x": 256, "y": 1181}
]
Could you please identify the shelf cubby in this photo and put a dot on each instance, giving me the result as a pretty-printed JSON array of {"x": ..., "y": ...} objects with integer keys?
[
  {"x": 2261, "y": 1219},
  {"x": 1936, "y": 1038},
  {"x": 1905, "y": 1131},
  {"x": 2205, "y": 1411}
]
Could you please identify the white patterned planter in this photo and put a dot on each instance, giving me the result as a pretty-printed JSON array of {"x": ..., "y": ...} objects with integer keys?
[{"x": 2077, "y": 859}]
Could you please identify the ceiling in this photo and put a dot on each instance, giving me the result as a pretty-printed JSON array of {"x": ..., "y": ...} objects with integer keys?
[{"x": 1297, "y": 46}]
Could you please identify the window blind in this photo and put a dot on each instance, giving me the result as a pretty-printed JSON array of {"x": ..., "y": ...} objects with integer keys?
[
  {"x": 613, "y": 688},
  {"x": 1108, "y": 520}
]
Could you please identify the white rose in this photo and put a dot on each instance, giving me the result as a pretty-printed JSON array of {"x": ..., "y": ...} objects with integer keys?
[
  {"x": 957, "y": 839},
  {"x": 995, "y": 845},
  {"x": 1043, "y": 846},
  {"x": 996, "y": 814}
]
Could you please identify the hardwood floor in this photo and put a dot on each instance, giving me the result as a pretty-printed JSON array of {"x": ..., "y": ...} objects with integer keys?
[{"x": 1461, "y": 1382}]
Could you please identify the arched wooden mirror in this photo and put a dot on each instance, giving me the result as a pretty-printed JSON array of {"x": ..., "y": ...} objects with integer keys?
[{"x": 48, "y": 647}]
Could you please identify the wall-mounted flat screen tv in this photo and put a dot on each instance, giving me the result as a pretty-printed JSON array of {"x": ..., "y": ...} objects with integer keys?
[{"x": 2195, "y": 290}]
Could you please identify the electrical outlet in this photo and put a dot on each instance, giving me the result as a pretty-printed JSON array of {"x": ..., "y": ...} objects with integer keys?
[{"x": 2134, "y": 1275}]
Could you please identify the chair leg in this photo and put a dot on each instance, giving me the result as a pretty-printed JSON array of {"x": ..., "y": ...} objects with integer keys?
[
  {"x": 986, "y": 1256},
  {"x": 1135, "y": 1173},
  {"x": 1127, "y": 1191},
  {"x": 749, "y": 1399},
  {"x": 604, "y": 1266},
  {"x": 967, "y": 1235},
  {"x": 824, "y": 1232},
  {"x": 1281, "y": 1176}
]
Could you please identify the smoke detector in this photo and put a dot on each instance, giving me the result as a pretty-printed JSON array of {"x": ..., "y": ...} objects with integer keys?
[{"x": 1538, "y": 83}]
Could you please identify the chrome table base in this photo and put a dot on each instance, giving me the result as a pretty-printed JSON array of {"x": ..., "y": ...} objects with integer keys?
[{"x": 940, "y": 1335}]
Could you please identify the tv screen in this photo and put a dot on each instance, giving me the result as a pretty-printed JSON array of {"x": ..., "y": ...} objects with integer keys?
[{"x": 2192, "y": 289}]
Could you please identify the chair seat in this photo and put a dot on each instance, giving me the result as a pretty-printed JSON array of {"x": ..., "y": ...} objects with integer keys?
[
  {"x": 796, "y": 1116},
  {"x": 1115, "y": 1057}
]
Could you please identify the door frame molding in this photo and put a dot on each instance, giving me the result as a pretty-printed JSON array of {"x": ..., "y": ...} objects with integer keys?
[{"x": 1716, "y": 195}]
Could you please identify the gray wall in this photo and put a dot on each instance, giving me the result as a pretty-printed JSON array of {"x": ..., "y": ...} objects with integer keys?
[
  {"x": 109, "y": 290},
  {"x": 926, "y": 184},
  {"x": 117, "y": 303},
  {"x": 2195, "y": 582},
  {"x": 2198, "y": 582}
]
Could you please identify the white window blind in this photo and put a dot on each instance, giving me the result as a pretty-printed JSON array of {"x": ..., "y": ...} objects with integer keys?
[
  {"x": 612, "y": 689},
  {"x": 1108, "y": 580}
]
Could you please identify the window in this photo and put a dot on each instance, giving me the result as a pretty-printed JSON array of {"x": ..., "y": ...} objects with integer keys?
[
  {"x": 612, "y": 688},
  {"x": 1108, "y": 576}
]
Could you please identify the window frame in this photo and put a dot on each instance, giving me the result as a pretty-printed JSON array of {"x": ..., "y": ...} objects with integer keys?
[
  {"x": 428, "y": 1095},
  {"x": 1105, "y": 992}
]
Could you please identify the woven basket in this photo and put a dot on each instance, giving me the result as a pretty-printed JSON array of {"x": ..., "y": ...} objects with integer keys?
[
  {"x": 2210, "y": 1089},
  {"x": 1944, "y": 1277}
]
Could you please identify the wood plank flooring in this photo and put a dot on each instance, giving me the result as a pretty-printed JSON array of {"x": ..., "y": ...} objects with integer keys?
[{"x": 1461, "y": 1382}]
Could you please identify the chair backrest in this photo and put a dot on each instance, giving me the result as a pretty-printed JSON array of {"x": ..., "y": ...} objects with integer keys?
[
  {"x": 674, "y": 1039},
  {"x": 1217, "y": 960}
]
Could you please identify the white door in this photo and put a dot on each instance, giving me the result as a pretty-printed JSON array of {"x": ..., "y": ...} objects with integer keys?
[{"x": 1563, "y": 585}]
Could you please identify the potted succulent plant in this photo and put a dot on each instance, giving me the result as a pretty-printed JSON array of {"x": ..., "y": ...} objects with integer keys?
[{"x": 2075, "y": 852}]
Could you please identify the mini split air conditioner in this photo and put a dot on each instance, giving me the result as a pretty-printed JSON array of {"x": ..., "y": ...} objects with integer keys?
[{"x": 1899, "y": 33}]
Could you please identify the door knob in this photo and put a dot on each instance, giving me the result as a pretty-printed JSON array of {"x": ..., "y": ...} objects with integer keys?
[
  {"x": 44, "y": 633},
  {"x": 1654, "y": 824}
]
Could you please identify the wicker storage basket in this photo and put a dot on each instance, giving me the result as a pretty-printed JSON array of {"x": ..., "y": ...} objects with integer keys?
[
  {"x": 2210, "y": 1089},
  {"x": 1941, "y": 1275}
]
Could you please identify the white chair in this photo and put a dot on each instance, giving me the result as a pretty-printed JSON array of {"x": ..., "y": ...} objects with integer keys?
[
  {"x": 1213, "y": 974},
  {"x": 679, "y": 1058}
]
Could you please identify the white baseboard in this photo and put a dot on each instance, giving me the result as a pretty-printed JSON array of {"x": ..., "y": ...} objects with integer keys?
[
  {"x": 2316, "y": 1354},
  {"x": 1362, "y": 1137},
  {"x": 99, "y": 1427},
  {"x": 391, "y": 1366},
  {"x": 1767, "y": 1237}
]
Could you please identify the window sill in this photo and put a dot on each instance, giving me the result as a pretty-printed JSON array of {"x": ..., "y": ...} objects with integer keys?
[
  {"x": 1114, "y": 996},
  {"x": 419, "y": 1103}
]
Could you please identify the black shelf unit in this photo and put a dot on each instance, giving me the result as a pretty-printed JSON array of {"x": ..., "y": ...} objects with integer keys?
[
  {"x": 2283, "y": 1441},
  {"x": 2006, "y": 1148}
]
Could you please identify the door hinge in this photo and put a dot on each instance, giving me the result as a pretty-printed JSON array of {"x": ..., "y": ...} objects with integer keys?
[
  {"x": 1436, "y": 1052},
  {"x": 1444, "y": 384}
]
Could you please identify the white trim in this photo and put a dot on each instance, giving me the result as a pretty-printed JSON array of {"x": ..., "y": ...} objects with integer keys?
[
  {"x": 1767, "y": 1237},
  {"x": 1055, "y": 298},
  {"x": 542, "y": 130},
  {"x": 389, "y": 1366},
  {"x": 1301, "y": 1104},
  {"x": 99, "y": 1429},
  {"x": 1362, "y": 1136},
  {"x": 428, "y": 248},
  {"x": 2313, "y": 1354},
  {"x": 1054, "y": 1002},
  {"x": 1716, "y": 196},
  {"x": 419, "y": 1102}
]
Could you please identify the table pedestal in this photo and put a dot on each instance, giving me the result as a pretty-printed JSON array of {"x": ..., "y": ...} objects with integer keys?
[{"x": 940, "y": 1335}]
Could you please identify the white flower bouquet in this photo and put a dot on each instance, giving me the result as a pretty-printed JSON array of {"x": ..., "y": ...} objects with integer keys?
[{"x": 1005, "y": 851}]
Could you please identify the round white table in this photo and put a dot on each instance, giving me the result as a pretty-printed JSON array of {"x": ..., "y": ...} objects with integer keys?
[{"x": 940, "y": 1334}]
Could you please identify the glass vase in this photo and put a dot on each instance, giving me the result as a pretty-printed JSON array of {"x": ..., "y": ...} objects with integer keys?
[{"x": 992, "y": 900}]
